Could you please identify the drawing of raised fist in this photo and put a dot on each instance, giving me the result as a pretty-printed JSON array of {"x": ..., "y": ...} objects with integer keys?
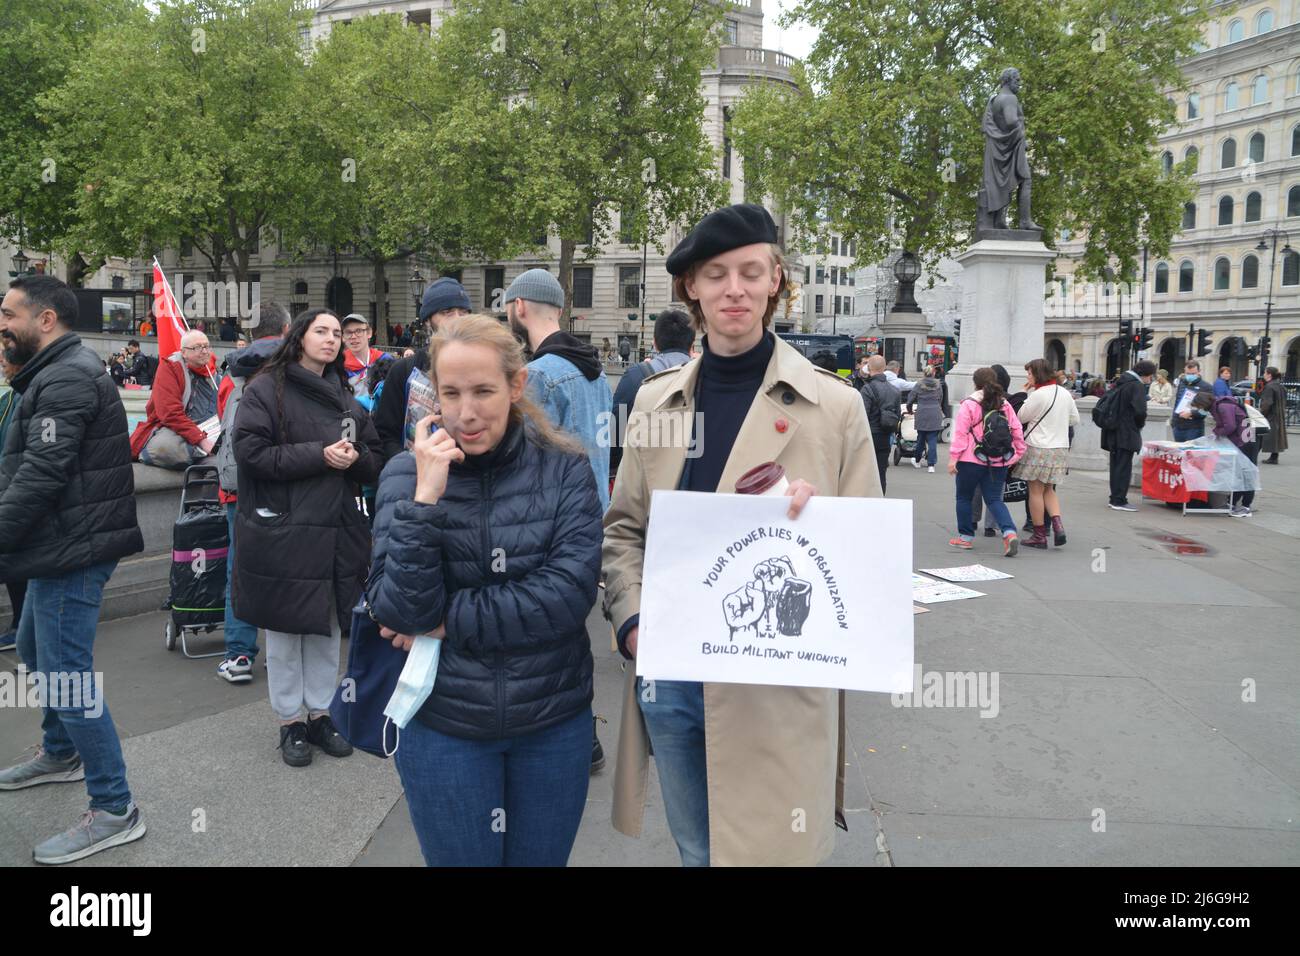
[{"x": 743, "y": 608}]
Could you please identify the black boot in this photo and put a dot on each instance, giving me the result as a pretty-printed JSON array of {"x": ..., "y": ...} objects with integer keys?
[
  {"x": 597, "y": 751},
  {"x": 1271, "y": 459},
  {"x": 294, "y": 747}
]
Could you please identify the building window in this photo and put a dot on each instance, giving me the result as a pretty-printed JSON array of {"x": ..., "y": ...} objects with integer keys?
[
  {"x": 1231, "y": 97},
  {"x": 1236, "y": 31},
  {"x": 1162, "y": 278},
  {"x": 1291, "y": 268},
  {"x": 494, "y": 278},
  {"x": 1264, "y": 22},
  {"x": 807, "y": 275},
  {"x": 255, "y": 242},
  {"x": 1249, "y": 272},
  {"x": 118, "y": 282},
  {"x": 1295, "y": 141},
  {"x": 187, "y": 247},
  {"x": 1192, "y": 159},
  {"x": 626, "y": 224},
  {"x": 1193, "y": 105},
  {"x": 820, "y": 303},
  {"x": 848, "y": 305},
  {"x": 726, "y": 157},
  {"x": 835, "y": 245},
  {"x": 1255, "y": 148},
  {"x": 1185, "y": 274},
  {"x": 582, "y": 281},
  {"x": 1253, "y": 204},
  {"x": 1293, "y": 202},
  {"x": 1228, "y": 154},
  {"x": 821, "y": 275},
  {"x": 1225, "y": 211},
  {"x": 1222, "y": 272},
  {"x": 1166, "y": 162},
  {"x": 1259, "y": 90},
  {"x": 733, "y": 31},
  {"x": 300, "y": 290},
  {"x": 1189, "y": 216},
  {"x": 629, "y": 284}
]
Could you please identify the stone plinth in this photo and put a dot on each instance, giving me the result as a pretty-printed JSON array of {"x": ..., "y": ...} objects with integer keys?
[
  {"x": 1003, "y": 283},
  {"x": 914, "y": 329}
]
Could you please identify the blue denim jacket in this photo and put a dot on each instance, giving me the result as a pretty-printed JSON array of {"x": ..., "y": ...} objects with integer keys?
[{"x": 578, "y": 406}]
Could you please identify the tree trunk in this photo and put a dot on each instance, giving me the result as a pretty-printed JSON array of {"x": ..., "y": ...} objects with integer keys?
[
  {"x": 377, "y": 281},
  {"x": 566, "y": 281}
]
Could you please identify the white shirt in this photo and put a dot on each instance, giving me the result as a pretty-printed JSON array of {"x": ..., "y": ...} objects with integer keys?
[{"x": 1053, "y": 428}]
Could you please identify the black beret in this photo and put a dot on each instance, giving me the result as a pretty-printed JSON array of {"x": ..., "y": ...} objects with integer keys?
[{"x": 741, "y": 225}]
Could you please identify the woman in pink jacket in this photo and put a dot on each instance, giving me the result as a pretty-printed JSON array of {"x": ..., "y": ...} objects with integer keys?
[{"x": 987, "y": 439}]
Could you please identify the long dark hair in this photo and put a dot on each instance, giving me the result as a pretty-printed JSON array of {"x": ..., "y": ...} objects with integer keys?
[
  {"x": 993, "y": 394},
  {"x": 290, "y": 353}
]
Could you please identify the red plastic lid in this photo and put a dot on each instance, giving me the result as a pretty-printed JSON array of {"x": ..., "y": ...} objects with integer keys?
[{"x": 759, "y": 478}]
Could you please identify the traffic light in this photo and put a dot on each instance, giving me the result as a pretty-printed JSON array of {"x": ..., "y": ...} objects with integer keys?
[
  {"x": 1126, "y": 329},
  {"x": 1252, "y": 353},
  {"x": 1203, "y": 346},
  {"x": 1265, "y": 343},
  {"x": 956, "y": 329},
  {"x": 1145, "y": 338}
]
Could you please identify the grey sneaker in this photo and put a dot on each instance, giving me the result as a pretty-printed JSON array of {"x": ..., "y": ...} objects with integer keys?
[
  {"x": 42, "y": 768},
  {"x": 96, "y": 830}
]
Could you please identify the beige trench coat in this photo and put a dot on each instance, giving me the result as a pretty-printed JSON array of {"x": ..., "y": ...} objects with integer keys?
[{"x": 774, "y": 755}]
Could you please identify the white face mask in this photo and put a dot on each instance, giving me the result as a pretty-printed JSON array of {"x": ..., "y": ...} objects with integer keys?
[{"x": 415, "y": 683}]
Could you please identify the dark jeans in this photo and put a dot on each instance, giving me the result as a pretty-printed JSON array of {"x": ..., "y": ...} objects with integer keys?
[
  {"x": 989, "y": 481},
  {"x": 57, "y": 637},
  {"x": 1247, "y": 498},
  {"x": 16, "y": 589},
  {"x": 674, "y": 719},
  {"x": 1188, "y": 432},
  {"x": 516, "y": 801},
  {"x": 1121, "y": 475},
  {"x": 882, "y": 464},
  {"x": 927, "y": 447}
]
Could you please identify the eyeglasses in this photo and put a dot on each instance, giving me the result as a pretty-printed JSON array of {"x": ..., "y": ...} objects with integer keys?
[{"x": 197, "y": 348}]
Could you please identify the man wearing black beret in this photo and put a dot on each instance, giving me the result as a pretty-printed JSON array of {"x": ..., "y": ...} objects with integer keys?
[{"x": 733, "y": 759}]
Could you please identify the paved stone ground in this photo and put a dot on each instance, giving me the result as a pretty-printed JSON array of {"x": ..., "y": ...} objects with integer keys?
[{"x": 1120, "y": 664}]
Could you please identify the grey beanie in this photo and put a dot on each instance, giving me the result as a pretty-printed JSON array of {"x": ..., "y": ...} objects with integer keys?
[{"x": 536, "y": 285}]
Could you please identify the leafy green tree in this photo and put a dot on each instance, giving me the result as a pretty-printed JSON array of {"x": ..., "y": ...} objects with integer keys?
[
  {"x": 180, "y": 125},
  {"x": 39, "y": 42},
  {"x": 564, "y": 113},
  {"x": 885, "y": 125}
]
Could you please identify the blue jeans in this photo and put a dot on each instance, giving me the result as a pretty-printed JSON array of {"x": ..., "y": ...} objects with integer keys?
[
  {"x": 516, "y": 801},
  {"x": 241, "y": 638},
  {"x": 57, "y": 636},
  {"x": 989, "y": 481},
  {"x": 927, "y": 447},
  {"x": 674, "y": 718}
]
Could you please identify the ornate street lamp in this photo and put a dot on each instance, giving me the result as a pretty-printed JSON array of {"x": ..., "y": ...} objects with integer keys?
[
  {"x": 416, "y": 283},
  {"x": 20, "y": 262},
  {"x": 906, "y": 270},
  {"x": 1268, "y": 303}
]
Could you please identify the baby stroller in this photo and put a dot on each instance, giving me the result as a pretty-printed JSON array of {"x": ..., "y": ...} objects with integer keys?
[
  {"x": 905, "y": 437},
  {"x": 200, "y": 539}
]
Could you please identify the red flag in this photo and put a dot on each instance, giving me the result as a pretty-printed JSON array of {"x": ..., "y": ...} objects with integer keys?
[{"x": 169, "y": 324}]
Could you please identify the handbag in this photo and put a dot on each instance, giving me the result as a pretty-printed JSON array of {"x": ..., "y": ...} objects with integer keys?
[
  {"x": 374, "y": 665},
  {"x": 1016, "y": 489}
]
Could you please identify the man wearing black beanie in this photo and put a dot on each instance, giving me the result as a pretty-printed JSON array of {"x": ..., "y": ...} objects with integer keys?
[{"x": 733, "y": 759}]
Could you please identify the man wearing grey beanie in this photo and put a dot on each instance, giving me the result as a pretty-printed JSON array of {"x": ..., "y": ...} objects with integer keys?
[{"x": 566, "y": 380}]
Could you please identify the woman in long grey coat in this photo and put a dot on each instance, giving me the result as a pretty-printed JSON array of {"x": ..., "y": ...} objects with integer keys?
[
  {"x": 927, "y": 399},
  {"x": 1272, "y": 403}
]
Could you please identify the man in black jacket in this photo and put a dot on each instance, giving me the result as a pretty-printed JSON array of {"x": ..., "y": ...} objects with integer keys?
[
  {"x": 1123, "y": 439},
  {"x": 882, "y": 402},
  {"x": 67, "y": 516}
]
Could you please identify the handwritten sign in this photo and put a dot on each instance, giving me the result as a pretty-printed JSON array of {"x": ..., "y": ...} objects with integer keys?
[{"x": 735, "y": 592}]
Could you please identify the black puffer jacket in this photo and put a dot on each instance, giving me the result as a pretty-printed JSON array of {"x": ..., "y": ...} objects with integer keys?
[
  {"x": 309, "y": 546},
  {"x": 508, "y": 559},
  {"x": 67, "y": 494}
]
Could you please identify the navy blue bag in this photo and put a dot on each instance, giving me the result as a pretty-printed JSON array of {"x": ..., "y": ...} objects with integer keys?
[{"x": 374, "y": 665}]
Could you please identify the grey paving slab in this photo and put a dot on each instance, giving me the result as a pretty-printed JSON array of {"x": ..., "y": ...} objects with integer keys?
[
  {"x": 918, "y": 839},
  {"x": 1060, "y": 747}
]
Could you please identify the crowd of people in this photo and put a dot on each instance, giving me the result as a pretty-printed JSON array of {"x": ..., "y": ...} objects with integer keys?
[{"x": 473, "y": 494}]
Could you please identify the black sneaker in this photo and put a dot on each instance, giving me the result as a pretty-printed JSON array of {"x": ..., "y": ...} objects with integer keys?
[
  {"x": 294, "y": 747},
  {"x": 597, "y": 751},
  {"x": 990, "y": 531},
  {"x": 322, "y": 732}
]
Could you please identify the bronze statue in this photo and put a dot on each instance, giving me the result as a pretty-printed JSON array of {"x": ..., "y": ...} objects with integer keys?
[{"x": 1006, "y": 164}]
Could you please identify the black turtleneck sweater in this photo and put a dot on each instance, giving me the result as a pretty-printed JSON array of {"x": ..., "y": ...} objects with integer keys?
[{"x": 727, "y": 386}]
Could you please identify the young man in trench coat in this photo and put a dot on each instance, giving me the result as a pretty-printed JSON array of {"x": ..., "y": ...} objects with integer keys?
[{"x": 751, "y": 775}]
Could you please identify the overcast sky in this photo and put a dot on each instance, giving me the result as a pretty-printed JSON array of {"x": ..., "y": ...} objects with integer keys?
[{"x": 796, "y": 41}]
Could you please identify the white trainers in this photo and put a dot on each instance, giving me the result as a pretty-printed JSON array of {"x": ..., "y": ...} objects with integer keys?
[
  {"x": 916, "y": 463},
  {"x": 237, "y": 670},
  {"x": 930, "y": 469}
]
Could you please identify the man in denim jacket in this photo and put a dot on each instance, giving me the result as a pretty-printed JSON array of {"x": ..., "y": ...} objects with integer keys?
[{"x": 565, "y": 377}]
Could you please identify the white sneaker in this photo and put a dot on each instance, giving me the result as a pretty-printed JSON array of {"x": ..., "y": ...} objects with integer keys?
[
  {"x": 1240, "y": 511},
  {"x": 916, "y": 463},
  {"x": 237, "y": 670},
  {"x": 930, "y": 469}
]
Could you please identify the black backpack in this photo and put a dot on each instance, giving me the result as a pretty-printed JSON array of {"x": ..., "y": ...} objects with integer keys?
[
  {"x": 1104, "y": 413},
  {"x": 995, "y": 445}
]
